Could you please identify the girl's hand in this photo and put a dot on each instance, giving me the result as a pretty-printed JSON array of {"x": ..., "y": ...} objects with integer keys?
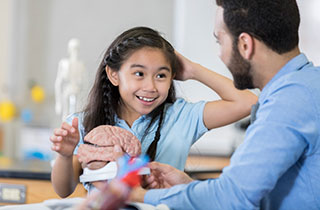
[
  {"x": 185, "y": 70},
  {"x": 66, "y": 138}
]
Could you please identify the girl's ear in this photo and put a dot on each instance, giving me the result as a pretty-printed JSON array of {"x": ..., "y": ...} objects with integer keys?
[
  {"x": 112, "y": 76},
  {"x": 174, "y": 76}
]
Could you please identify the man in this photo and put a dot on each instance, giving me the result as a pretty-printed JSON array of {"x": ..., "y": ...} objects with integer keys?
[{"x": 278, "y": 164}]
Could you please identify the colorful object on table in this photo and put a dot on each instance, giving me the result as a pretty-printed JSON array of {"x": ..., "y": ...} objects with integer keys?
[
  {"x": 7, "y": 111},
  {"x": 115, "y": 193},
  {"x": 129, "y": 169},
  {"x": 26, "y": 115},
  {"x": 37, "y": 94}
]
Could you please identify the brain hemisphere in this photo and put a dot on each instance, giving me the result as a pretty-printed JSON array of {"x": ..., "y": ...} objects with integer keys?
[{"x": 102, "y": 138}]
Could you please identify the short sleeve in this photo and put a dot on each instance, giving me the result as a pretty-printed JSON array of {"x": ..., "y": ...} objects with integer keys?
[{"x": 190, "y": 115}]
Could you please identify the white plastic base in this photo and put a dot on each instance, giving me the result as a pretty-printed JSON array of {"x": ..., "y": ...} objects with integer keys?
[{"x": 107, "y": 172}]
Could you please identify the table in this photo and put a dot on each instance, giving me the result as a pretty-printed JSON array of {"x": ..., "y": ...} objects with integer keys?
[
  {"x": 33, "y": 177},
  {"x": 204, "y": 167}
]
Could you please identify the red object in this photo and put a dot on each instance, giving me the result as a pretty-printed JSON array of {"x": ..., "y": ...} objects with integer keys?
[{"x": 132, "y": 179}]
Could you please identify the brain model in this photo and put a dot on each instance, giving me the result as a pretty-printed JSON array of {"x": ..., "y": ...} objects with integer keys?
[{"x": 97, "y": 149}]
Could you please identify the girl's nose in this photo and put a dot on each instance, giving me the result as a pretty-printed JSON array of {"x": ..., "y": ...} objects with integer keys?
[{"x": 149, "y": 85}]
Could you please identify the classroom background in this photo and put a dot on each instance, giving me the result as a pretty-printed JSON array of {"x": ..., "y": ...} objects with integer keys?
[{"x": 34, "y": 36}]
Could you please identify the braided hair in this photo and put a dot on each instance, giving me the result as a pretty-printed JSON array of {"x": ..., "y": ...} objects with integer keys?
[{"x": 104, "y": 97}]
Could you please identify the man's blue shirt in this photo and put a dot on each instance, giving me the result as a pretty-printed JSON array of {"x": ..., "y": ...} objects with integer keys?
[{"x": 278, "y": 164}]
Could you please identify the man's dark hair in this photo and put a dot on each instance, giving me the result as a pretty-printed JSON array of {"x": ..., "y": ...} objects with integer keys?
[{"x": 274, "y": 22}]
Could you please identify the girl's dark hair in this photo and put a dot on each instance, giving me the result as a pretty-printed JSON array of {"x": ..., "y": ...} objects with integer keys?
[
  {"x": 274, "y": 22},
  {"x": 104, "y": 98}
]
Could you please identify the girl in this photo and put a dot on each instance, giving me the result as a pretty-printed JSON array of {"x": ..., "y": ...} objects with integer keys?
[{"x": 134, "y": 90}]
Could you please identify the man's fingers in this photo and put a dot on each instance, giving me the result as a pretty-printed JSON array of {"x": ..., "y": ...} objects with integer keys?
[
  {"x": 159, "y": 167},
  {"x": 154, "y": 185},
  {"x": 149, "y": 178}
]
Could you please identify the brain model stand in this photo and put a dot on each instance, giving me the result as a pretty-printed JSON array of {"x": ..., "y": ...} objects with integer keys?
[
  {"x": 69, "y": 80},
  {"x": 96, "y": 154}
]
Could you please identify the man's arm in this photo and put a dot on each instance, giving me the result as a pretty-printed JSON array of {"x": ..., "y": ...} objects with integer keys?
[
  {"x": 273, "y": 144},
  {"x": 253, "y": 172}
]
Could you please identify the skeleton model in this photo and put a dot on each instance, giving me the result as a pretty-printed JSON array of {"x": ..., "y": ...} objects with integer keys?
[{"x": 69, "y": 80}]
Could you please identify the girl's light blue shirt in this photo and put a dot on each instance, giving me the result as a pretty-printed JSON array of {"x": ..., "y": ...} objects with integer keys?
[{"x": 182, "y": 126}]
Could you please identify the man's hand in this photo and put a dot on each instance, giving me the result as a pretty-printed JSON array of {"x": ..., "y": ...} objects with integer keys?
[{"x": 165, "y": 176}]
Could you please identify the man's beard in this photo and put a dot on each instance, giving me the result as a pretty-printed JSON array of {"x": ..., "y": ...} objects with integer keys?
[{"x": 240, "y": 70}]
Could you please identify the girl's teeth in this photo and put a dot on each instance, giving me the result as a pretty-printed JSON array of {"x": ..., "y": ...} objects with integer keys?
[{"x": 146, "y": 99}]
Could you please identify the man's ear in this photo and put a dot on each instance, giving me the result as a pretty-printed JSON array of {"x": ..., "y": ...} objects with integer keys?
[
  {"x": 246, "y": 45},
  {"x": 112, "y": 76}
]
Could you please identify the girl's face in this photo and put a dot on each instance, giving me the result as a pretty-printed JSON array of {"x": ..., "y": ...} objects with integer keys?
[{"x": 144, "y": 80}]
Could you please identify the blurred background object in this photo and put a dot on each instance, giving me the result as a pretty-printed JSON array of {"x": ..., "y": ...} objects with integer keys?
[
  {"x": 37, "y": 94},
  {"x": 70, "y": 77},
  {"x": 7, "y": 111}
]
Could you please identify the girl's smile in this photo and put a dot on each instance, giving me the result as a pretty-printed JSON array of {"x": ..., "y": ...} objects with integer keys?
[{"x": 146, "y": 100}]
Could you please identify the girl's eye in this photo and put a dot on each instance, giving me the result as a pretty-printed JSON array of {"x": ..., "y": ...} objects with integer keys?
[
  {"x": 160, "y": 76},
  {"x": 139, "y": 74}
]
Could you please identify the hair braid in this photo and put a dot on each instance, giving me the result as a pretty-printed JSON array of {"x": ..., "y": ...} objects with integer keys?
[
  {"x": 152, "y": 150},
  {"x": 108, "y": 101}
]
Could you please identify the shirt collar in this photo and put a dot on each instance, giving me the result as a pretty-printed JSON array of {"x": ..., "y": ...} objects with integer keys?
[
  {"x": 295, "y": 64},
  {"x": 119, "y": 120}
]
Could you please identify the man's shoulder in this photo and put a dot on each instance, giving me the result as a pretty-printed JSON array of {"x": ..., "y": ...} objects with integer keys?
[
  {"x": 307, "y": 79},
  {"x": 308, "y": 76},
  {"x": 296, "y": 92}
]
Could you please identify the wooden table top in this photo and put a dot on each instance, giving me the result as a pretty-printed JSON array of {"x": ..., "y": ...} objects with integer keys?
[{"x": 203, "y": 167}]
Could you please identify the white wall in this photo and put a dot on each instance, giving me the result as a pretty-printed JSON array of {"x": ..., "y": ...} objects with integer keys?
[
  {"x": 6, "y": 53},
  {"x": 5, "y": 10},
  {"x": 309, "y": 29}
]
